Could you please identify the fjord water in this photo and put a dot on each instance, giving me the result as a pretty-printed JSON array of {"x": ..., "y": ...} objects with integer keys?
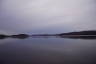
[{"x": 47, "y": 51}]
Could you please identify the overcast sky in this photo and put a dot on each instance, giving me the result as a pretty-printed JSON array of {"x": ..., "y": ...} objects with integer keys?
[{"x": 47, "y": 16}]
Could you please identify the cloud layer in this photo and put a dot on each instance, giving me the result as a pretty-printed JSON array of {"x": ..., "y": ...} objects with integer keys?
[{"x": 47, "y": 16}]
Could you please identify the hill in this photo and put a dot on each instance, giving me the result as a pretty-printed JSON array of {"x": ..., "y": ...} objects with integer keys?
[{"x": 79, "y": 33}]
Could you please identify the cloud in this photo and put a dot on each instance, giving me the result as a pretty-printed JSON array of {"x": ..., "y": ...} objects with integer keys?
[{"x": 42, "y": 15}]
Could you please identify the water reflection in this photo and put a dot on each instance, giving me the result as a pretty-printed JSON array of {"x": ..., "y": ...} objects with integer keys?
[
  {"x": 71, "y": 37},
  {"x": 13, "y": 37},
  {"x": 3, "y": 37},
  {"x": 79, "y": 37},
  {"x": 48, "y": 51}
]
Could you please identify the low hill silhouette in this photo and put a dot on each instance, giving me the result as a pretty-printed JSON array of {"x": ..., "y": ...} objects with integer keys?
[
  {"x": 21, "y": 36},
  {"x": 2, "y": 36},
  {"x": 75, "y": 35},
  {"x": 80, "y": 33}
]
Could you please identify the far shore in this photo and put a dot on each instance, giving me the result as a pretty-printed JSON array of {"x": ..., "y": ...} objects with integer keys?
[{"x": 81, "y": 34}]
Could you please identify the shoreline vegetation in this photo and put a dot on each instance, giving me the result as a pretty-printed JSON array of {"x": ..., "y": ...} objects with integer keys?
[
  {"x": 20, "y": 36},
  {"x": 73, "y": 35}
]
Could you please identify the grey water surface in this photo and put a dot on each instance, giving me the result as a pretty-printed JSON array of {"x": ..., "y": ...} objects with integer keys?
[{"x": 47, "y": 51}]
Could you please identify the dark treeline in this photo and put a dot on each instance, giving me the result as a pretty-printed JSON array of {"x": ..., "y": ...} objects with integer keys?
[
  {"x": 2, "y": 36},
  {"x": 19, "y": 36},
  {"x": 79, "y": 37},
  {"x": 80, "y": 33}
]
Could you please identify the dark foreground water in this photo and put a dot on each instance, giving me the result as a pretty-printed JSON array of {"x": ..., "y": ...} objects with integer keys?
[{"x": 47, "y": 51}]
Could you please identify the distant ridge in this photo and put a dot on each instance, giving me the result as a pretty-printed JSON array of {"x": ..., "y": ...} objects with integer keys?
[{"x": 79, "y": 33}]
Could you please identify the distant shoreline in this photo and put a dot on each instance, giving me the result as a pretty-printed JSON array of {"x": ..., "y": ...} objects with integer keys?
[{"x": 81, "y": 34}]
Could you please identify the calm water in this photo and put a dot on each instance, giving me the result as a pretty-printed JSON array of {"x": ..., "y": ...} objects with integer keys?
[{"x": 47, "y": 51}]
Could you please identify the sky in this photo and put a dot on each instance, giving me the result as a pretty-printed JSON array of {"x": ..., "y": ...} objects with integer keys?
[{"x": 46, "y": 16}]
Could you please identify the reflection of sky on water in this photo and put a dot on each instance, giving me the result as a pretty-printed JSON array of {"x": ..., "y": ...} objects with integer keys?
[
  {"x": 51, "y": 50},
  {"x": 6, "y": 40}
]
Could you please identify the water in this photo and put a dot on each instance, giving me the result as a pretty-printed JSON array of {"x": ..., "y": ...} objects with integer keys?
[{"x": 47, "y": 51}]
